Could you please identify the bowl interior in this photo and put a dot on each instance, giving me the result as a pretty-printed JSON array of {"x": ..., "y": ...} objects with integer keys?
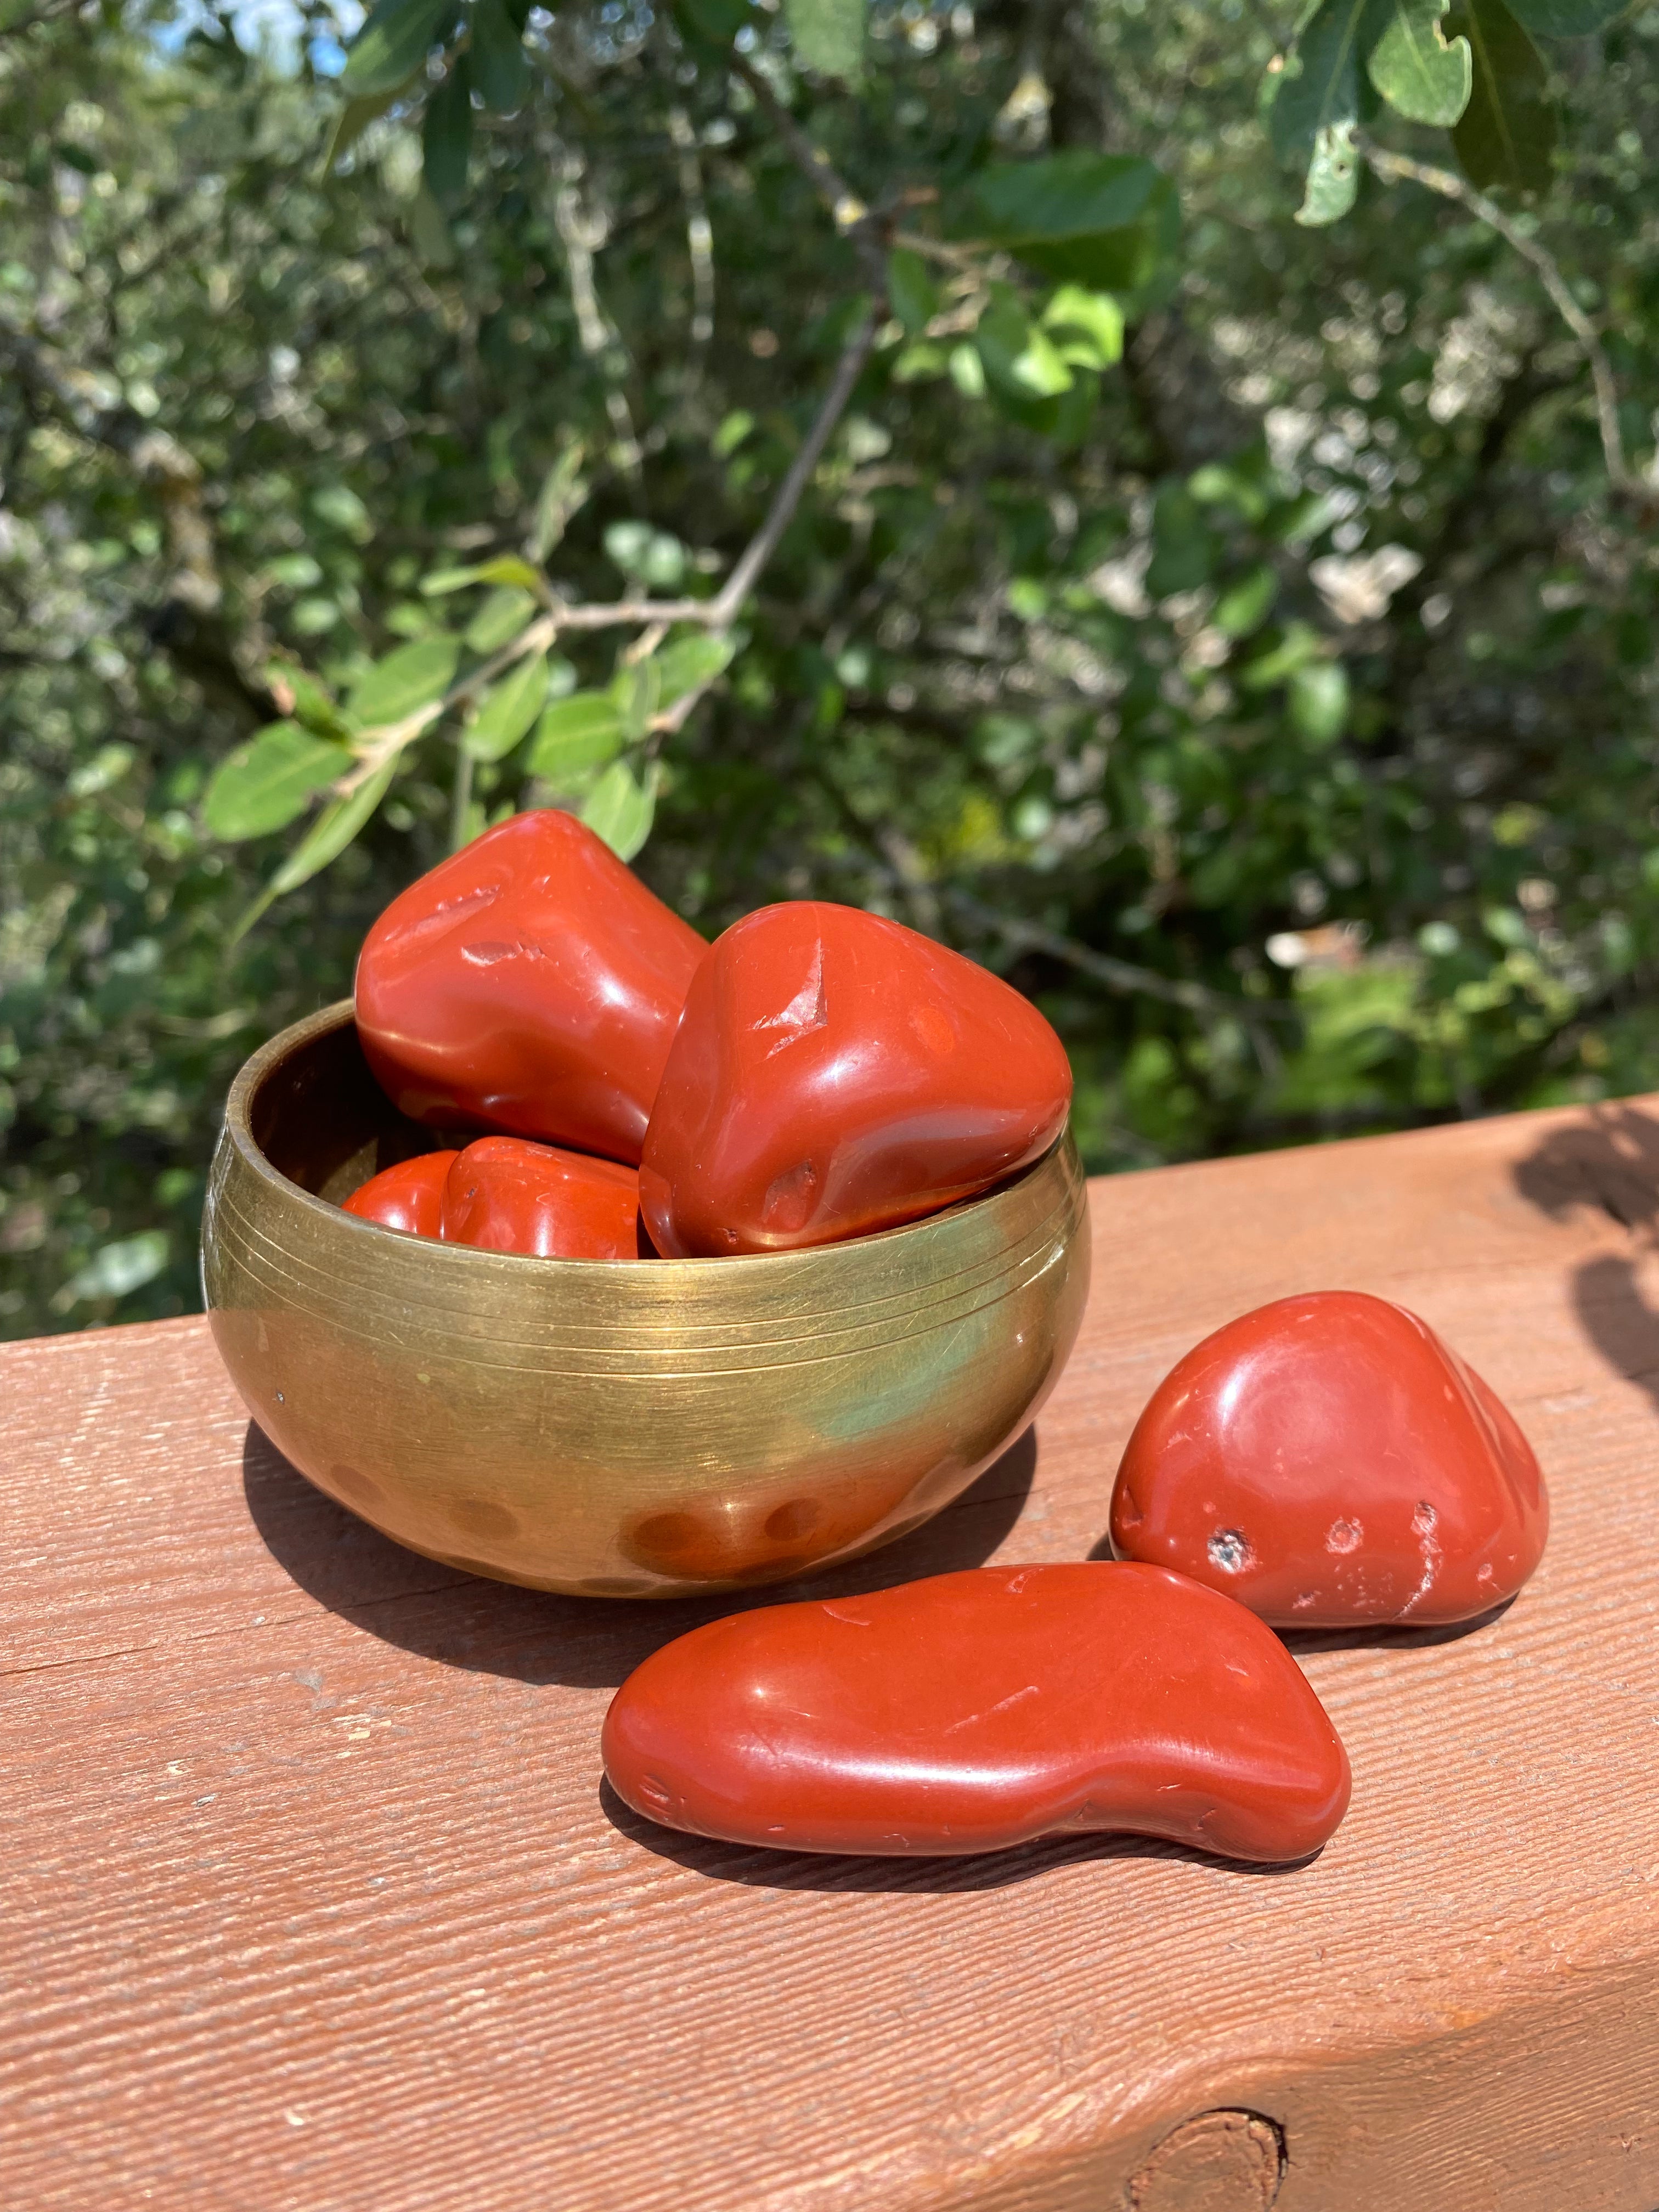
[{"x": 318, "y": 1117}]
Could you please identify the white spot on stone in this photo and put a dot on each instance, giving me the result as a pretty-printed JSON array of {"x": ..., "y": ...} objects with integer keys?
[{"x": 1344, "y": 1536}]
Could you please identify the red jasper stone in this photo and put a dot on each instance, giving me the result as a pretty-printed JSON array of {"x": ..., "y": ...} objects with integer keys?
[
  {"x": 529, "y": 984},
  {"x": 836, "y": 1073},
  {"x": 1326, "y": 1460},
  {"x": 979, "y": 1709},
  {"x": 510, "y": 1196},
  {"x": 409, "y": 1196}
]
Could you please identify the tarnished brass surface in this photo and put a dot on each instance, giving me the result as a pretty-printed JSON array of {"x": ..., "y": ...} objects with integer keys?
[{"x": 617, "y": 1429}]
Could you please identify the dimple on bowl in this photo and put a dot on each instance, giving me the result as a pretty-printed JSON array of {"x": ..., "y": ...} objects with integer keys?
[{"x": 623, "y": 1428}]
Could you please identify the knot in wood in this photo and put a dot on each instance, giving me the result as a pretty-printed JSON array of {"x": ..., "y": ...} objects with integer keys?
[{"x": 1222, "y": 2161}]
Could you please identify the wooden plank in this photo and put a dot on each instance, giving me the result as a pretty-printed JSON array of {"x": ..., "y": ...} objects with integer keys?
[{"x": 312, "y": 1898}]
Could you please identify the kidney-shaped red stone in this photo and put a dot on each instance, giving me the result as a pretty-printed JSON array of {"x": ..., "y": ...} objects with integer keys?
[
  {"x": 507, "y": 1195},
  {"x": 409, "y": 1196},
  {"x": 529, "y": 984},
  {"x": 1326, "y": 1460},
  {"x": 979, "y": 1709},
  {"x": 836, "y": 1073}
]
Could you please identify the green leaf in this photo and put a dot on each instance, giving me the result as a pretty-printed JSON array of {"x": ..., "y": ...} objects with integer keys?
[
  {"x": 1108, "y": 220},
  {"x": 324, "y": 843},
  {"x": 688, "y": 663},
  {"x": 1096, "y": 315},
  {"x": 828, "y": 36},
  {"x": 411, "y": 678},
  {"x": 312, "y": 704},
  {"x": 1318, "y": 701},
  {"x": 265, "y": 783},
  {"x": 1333, "y": 182},
  {"x": 636, "y": 690},
  {"x": 1296, "y": 647},
  {"x": 392, "y": 43},
  {"x": 918, "y": 362},
  {"x": 732, "y": 433},
  {"x": 1319, "y": 85},
  {"x": 967, "y": 371},
  {"x": 911, "y": 291},
  {"x": 504, "y": 614},
  {"x": 1423, "y": 75},
  {"x": 717, "y": 20},
  {"x": 1019, "y": 359},
  {"x": 562, "y": 493},
  {"x": 499, "y": 70},
  {"x": 620, "y": 809},
  {"x": 446, "y": 136},
  {"x": 115, "y": 1269},
  {"x": 1244, "y": 607},
  {"x": 581, "y": 731},
  {"x": 1567, "y": 18},
  {"x": 504, "y": 569},
  {"x": 1507, "y": 133},
  {"x": 351, "y": 121},
  {"x": 507, "y": 710},
  {"x": 1182, "y": 549}
]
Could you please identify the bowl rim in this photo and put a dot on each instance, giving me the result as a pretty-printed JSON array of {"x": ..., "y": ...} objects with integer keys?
[{"x": 238, "y": 1130}]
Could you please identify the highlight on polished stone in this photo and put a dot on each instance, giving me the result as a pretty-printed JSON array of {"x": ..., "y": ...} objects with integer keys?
[
  {"x": 409, "y": 1196},
  {"x": 836, "y": 1073},
  {"x": 1328, "y": 1461},
  {"x": 529, "y": 985},
  {"x": 975, "y": 1710}
]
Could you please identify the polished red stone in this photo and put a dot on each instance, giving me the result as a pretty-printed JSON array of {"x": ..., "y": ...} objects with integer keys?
[
  {"x": 980, "y": 1710},
  {"x": 836, "y": 1073},
  {"x": 1326, "y": 1460},
  {"x": 507, "y": 1195},
  {"x": 409, "y": 1196},
  {"x": 531, "y": 985}
]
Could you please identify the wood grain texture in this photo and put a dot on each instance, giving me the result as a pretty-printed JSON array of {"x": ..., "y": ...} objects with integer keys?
[{"x": 311, "y": 1899}]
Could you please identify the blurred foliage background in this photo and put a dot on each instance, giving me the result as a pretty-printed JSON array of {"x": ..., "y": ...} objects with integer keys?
[{"x": 1271, "y": 696}]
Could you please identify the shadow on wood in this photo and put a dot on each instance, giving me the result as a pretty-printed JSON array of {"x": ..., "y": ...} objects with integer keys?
[
  {"x": 1609, "y": 1161},
  {"x": 941, "y": 1877},
  {"x": 533, "y": 1636}
]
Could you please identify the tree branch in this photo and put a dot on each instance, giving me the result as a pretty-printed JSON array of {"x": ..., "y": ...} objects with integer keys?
[
  {"x": 1120, "y": 975},
  {"x": 1396, "y": 167}
]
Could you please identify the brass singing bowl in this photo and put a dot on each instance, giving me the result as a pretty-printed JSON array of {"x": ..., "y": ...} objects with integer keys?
[{"x": 616, "y": 1428}]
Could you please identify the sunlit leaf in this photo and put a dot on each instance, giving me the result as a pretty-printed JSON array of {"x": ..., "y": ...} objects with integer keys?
[
  {"x": 1423, "y": 75},
  {"x": 1316, "y": 106},
  {"x": 507, "y": 611},
  {"x": 323, "y": 843},
  {"x": 393, "y": 43},
  {"x": 1244, "y": 607},
  {"x": 1333, "y": 180},
  {"x": 1296, "y": 645},
  {"x": 580, "y": 732},
  {"x": 508, "y": 709},
  {"x": 408, "y": 679},
  {"x": 636, "y": 690},
  {"x": 1095, "y": 315},
  {"x": 828, "y": 35},
  {"x": 619, "y": 809},
  {"x": 266, "y": 783},
  {"x": 115, "y": 1269},
  {"x": 1317, "y": 697},
  {"x": 688, "y": 663}
]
